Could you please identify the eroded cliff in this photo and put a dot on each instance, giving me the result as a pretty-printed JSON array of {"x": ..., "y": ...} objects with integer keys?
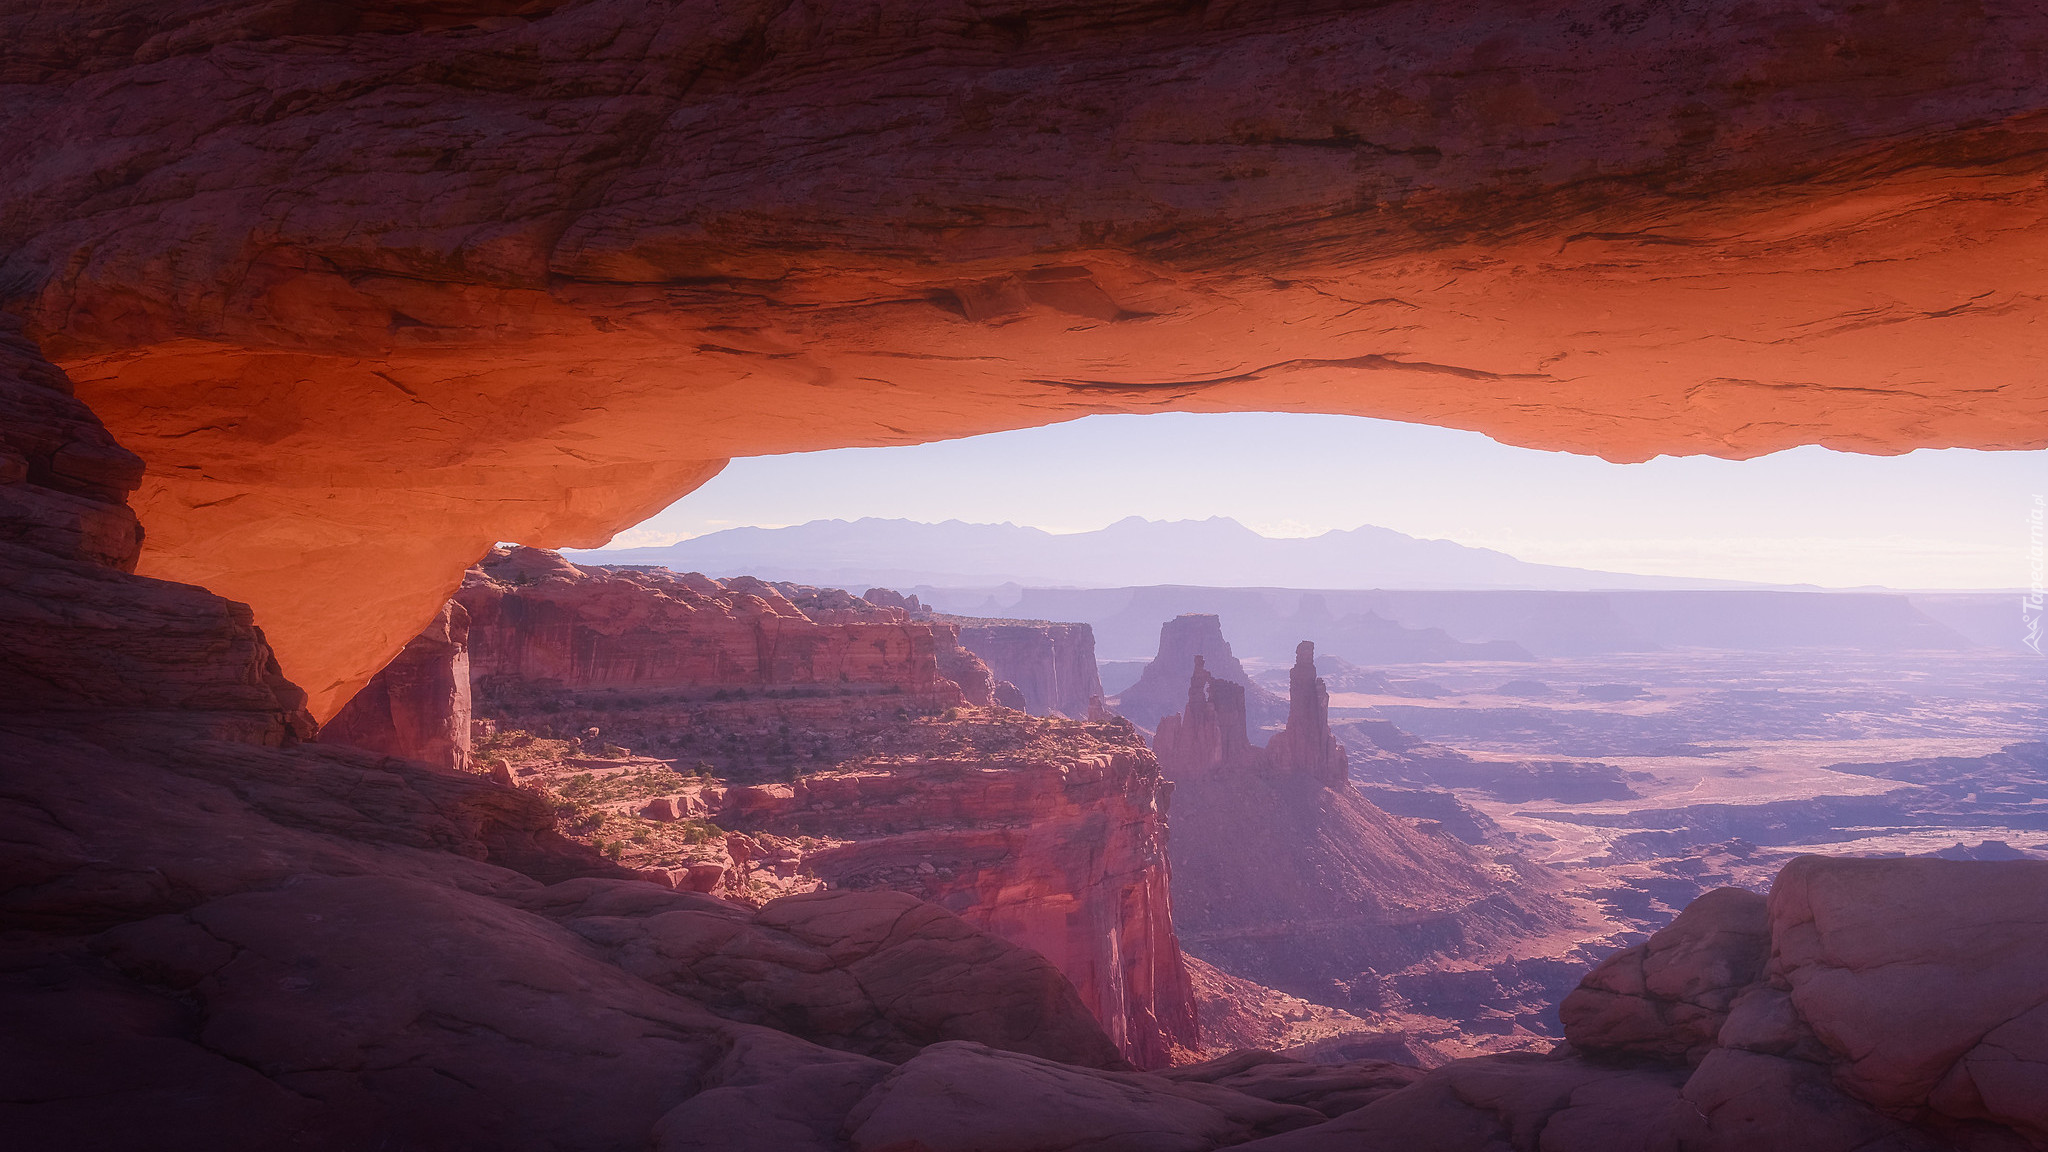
[
  {"x": 791, "y": 737},
  {"x": 1051, "y": 663}
]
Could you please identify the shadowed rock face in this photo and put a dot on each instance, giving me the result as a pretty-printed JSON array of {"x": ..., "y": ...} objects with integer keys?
[
  {"x": 1052, "y": 664},
  {"x": 529, "y": 271},
  {"x": 1669, "y": 996},
  {"x": 418, "y": 707},
  {"x": 220, "y": 937}
]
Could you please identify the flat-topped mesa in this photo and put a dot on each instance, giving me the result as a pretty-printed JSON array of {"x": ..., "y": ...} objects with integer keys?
[
  {"x": 1209, "y": 733},
  {"x": 538, "y": 620},
  {"x": 1306, "y": 745},
  {"x": 1052, "y": 663}
]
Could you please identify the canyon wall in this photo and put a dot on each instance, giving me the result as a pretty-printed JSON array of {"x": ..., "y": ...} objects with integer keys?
[
  {"x": 1054, "y": 839},
  {"x": 1052, "y": 664},
  {"x": 539, "y": 621},
  {"x": 223, "y": 937},
  {"x": 1063, "y": 854}
]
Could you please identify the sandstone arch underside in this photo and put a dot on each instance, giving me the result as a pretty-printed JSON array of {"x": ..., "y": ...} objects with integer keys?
[{"x": 370, "y": 284}]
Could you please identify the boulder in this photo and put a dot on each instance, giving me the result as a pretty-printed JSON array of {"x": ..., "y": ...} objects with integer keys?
[
  {"x": 1667, "y": 997},
  {"x": 1517, "y": 1102},
  {"x": 702, "y": 877},
  {"x": 964, "y": 1097},
  {"x": 1331, "y": 1089},
  {"x": 878, "y": 973},
  {"x": 1926, "y": 979}
]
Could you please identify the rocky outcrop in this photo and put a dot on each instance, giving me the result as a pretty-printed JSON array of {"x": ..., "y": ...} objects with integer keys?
[
  {"x": 1305, "y": 744},
  {"x": 1163, "y": 685},
  {"x": 1052, "y": 665},
  {"x": 1858, "y": 948},
  {"x": 1284, "y": 873},
  {"x": 880, "y": 973},
  {"x": 538, "y": 622},
  {"x": 1668, "y": 997},
  {"x": 672, "y": 223},
  {"x": 958, "y": 1097},
  {"x": 1865, "y": 996},
  {"x": 418, "y": 707},
  {"x": 1892, "y": 1013},
  {"x": 228, "y": 945},
  {"x": 1063, "y": 853},
  {"x": 83, "y": 642},
  {"x": 978, "y": 683},
  {"x": 1208, "y": 734}
]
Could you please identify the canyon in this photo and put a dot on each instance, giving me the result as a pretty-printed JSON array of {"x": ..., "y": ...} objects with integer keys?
[
  {"x": 794, "y": 739},
  {"x": 305, "y": 306}
]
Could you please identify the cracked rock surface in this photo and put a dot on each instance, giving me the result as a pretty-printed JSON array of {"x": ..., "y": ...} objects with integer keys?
[{"x": 495, "y": 270}]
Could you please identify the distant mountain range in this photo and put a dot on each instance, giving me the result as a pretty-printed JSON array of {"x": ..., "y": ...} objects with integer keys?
[{"x": 1217, "y": 552}]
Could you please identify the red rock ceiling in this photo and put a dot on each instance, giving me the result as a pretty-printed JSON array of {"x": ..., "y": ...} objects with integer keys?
[{"x": 373, "y": 283}]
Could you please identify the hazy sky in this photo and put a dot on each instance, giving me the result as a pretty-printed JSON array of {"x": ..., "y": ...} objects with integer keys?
[{"x": 1931, "y": 519}]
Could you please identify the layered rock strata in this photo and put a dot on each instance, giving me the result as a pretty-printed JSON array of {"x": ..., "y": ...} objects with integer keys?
[
  {"x": 573, "y": 255},
  {"x": 255, "y": 942},
  {"x": 1063, "y": 853},
  {"x": 1050, "y": 834},
  {"x": 84, "y": 642},
  {"x": 539, "y": 622},
  {"x": 1052, "y": 664}
]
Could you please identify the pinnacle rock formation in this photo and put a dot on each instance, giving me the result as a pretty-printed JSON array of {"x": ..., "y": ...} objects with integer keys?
[
  {"x": 1163, "y": 686},
  {"x": 1305, "y": 745},
  {"x": 1285, "y": 874},
  {"x": 1209, "y": 733}
]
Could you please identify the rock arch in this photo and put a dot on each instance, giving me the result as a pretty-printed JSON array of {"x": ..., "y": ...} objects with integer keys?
[{"x": 370, "y": 284}]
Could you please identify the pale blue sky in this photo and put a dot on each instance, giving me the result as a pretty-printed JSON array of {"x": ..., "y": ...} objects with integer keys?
[{"x": 1930, "y": 519}]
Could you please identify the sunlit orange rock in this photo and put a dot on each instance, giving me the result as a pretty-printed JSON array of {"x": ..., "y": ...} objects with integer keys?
[
  {"x": 373, "y": 285},
  {"x": 1064, "y": 853},
  {"x": 537, "y": 619}
]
